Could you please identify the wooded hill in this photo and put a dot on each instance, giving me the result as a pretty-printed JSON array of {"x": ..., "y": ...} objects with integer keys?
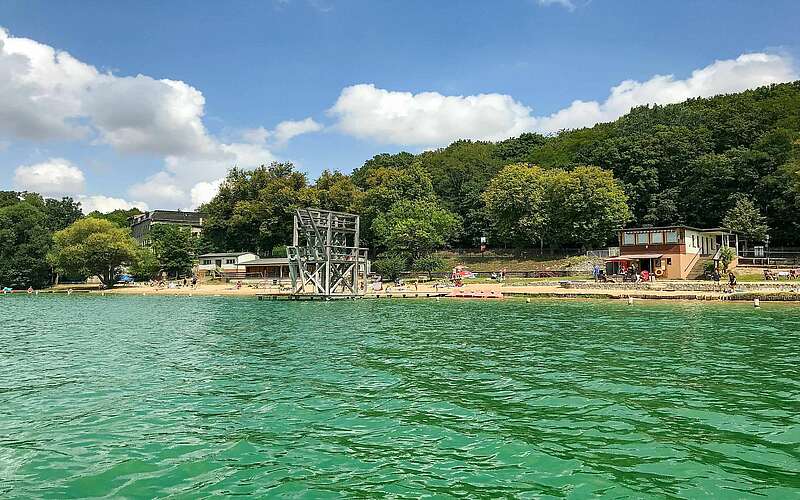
[
  {"x": 679, "y": 163},
  {"x": 690, "y": 163}
]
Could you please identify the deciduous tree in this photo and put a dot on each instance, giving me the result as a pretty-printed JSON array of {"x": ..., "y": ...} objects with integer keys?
[{"x": 94, "y": 247}]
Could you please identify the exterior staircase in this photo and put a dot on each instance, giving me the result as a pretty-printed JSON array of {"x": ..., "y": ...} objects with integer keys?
[{"x": 698, "y": 268}]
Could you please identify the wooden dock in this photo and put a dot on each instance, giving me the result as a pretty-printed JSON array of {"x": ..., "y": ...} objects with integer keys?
[{"x": 392, "y": 295}]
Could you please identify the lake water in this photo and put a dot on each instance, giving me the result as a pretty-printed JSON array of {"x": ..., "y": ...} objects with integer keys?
[{"x": 147, "y": 396}]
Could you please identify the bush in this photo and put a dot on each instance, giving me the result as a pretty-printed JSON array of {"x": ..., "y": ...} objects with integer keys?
[
  {"x": 726, "y": 257},
  {"x": 390, "y": 266},
  {"x": 709, "y": 266},
  {"x": 278, "y": 251},
  {"x": 429, "y": 264}
]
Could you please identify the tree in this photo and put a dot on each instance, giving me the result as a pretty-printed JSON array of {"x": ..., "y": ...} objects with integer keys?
[
  {"x": 516, "y": 206},
  {"x": 586, "y": 206},
  {"x": 384, "y": 160},
  {"x": 254, "y": 209},
  {"x": 61, "y": 213},
  {"x": 94, "y": 247},
  {"x": 24, "y": 243},
  {"x": 743, "y": 216},
  {"x": 387, "y": 186},
  {"x": 415, "y": 227},
  {"x": 390, "y": 266},
  {"x": 145, "y": 266},
  {"x": 429, "y": 264},
  {"x": 336, "y": 191},
  {"x": 173, "y": 246},
  {"x": 119, "y": 216}
]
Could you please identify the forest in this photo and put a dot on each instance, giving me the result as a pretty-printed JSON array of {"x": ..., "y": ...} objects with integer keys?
[{"x": 731, "y": 160}]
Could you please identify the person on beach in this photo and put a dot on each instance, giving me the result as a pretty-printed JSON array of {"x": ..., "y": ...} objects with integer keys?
[
  {"x": 732, "y": 281},
  {"x": 184, "y": 282},
  {"x": 596, "y": 273},
  {"x": 30, "y": 290},
  {"x": 194, "y": 281}
]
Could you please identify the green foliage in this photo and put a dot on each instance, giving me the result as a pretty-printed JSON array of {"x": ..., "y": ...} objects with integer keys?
[
  {"x": 389, "y": 266},
  {"x": 709, "y": 266},
  {"x": 279, "y": 251},
  {"x": 119, "y": 216},
  {"x": 397, "y": 161},
  {"x": 516, "y": 206},
  {"x": 173, "y": 247},
  {"x": 254, "y": 209},
  {"x": 726, "y": 254},
  {"x": 586, "y": 206},
  {"x": 415, "y": 227},
  {"x": 429, "y": 264},
  {"x": 94, "y": 247},
  {"x": 579, "y": 207},
  {"x": 61, "y": 213},
  {"x": 743, "y": 216},
  {"x": 145, "y": 266},
  {"x": 24, "y": 243},
  {"x": 337, "y": 191}
]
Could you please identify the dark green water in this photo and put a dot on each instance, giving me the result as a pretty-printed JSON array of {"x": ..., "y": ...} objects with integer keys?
[{"x": 191, "y": 397}]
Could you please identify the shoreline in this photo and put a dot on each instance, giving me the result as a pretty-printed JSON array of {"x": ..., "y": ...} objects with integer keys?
[{"x": 765, "y": 292}]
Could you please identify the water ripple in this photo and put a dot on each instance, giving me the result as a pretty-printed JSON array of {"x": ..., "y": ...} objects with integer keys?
[{"x": 153, "y": 397}]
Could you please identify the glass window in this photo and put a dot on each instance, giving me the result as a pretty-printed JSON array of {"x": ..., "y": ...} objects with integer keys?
[
  {"x": 657, "y": 238},
  {"x": 230, "y": 261},
  {"x": 641, "y": 238},
  {"x": 672, "y": 236},
  {"x": 628, "y": 239}
]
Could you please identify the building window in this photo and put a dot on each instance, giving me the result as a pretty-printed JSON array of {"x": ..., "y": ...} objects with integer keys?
[
  {"x": 641, "y": 238},
  {"x": 669, "y": 261},
  {"x": 657, "y": 238},
  {"x": 230, "y": 261},
  {"x": 206, "y": 262},
  {"x": 628, "y": 239},
  {"x": 672, "y": 236}
]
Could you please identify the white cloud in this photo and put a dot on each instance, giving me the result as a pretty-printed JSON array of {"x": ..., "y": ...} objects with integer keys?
[
  {"x": 427, "y": 118},
  {"x": 104, "y": 204},
  {"x": 48, "y": 94},
  {"x": 433, "y": 119},
  {"x": 54, "y": 177},
  {"x": 567, "y": 4},
  {"x": 289, "y": 129},
  {"x": 203, "y": 192},
  {"x": 722, "y": 77},
  {"x": 255, "y": 135}
]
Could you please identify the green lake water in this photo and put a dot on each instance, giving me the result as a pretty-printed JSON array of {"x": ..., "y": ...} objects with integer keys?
[{"x": 193, "y": 397}]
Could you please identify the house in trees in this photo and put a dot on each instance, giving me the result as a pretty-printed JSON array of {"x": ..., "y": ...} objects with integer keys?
[
  {"x": 671, "y": 252},
  {"x": 229, "y": 262},
  {"x": 142, "y": 224}
]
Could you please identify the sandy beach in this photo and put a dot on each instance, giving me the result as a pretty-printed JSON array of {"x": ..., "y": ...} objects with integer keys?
[{"x": 680, "y": 290}]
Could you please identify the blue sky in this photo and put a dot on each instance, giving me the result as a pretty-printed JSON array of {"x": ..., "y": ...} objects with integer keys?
[{"x": 328, "y": 84}]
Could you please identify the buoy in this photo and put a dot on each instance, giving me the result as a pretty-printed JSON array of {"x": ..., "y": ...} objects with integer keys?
[
  {"x": 438, "y": 299},
  {"x": 528, "y": 300},
  {"x": 756, "y": 302},
  {"x": 630, "y": 301}
]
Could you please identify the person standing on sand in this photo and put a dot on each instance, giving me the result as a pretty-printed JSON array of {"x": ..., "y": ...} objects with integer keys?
[
  {"x": 732, "y": 281},
  {"x": 194, "y": 281}
]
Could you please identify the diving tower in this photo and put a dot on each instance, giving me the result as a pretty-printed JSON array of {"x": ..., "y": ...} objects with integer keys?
[{"x": 325, "y": 258}]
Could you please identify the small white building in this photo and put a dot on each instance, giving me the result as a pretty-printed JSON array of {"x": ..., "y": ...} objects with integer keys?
[{"x": 225, "y": 262}]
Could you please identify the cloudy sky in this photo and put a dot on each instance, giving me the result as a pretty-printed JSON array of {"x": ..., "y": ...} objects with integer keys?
[{"x": 149, "y": 103}]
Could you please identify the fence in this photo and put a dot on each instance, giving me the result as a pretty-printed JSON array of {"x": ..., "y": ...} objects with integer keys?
[{"x": 777, "y": 257}]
